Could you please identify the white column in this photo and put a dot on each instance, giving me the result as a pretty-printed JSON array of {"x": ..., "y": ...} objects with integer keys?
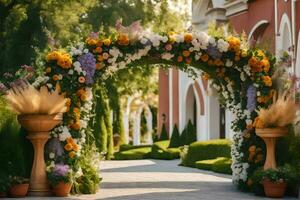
[
  {"x": 149, "y": 119},
  {"x": 170, "y": 101},
  {"x": 126, "y": 119}
]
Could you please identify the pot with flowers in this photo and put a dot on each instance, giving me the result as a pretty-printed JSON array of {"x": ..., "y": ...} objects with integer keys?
[
  {"x": 60, "y": 177},
  {"x": 19, "y": 186},
  {"x": 275, "y": 181},
  {"x": 272, "y": 123},
  {"x": 38, "y": 111}
]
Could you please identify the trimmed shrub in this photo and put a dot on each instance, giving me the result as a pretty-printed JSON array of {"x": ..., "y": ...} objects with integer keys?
[
  {"x": 164, "y": 133},
  {"x": 206, "y": 150},
  {"x": 191, "y": 135},
  {"x": 183, "y": 137},
  {"x": 161, "y": 151},
  {"x": 218, "y": 165},
  {"x": 175, "y": 138},
  {"x": 134, "y": 154},
  {"x": 125, "y": 147}
]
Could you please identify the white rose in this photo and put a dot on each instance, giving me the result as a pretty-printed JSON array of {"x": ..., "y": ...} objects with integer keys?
[{"x": 51, "y": 155}]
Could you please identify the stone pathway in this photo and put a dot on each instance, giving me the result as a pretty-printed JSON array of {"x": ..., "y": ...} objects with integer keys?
[{"x": 161, "y": 180}]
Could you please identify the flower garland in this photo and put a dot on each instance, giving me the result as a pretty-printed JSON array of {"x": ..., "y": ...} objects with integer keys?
[{"x": 242, "y": 77}]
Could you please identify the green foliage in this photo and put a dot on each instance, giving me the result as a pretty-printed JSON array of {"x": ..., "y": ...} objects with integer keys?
[
  {"x": 191, "y": 135},
  {"x": 183, "y": 154},
  {"x": 183, "y": 137},
  {"x": 134, "y": 154},
  {"x": 126, "y": 147},
  {"x": 218, "y": 165},
  {"x": 89, "y": 161},
  {"x": 175, "y": 138},
  {"x": 54, "y": 178},
  {"x": 11, "y": 151},
  {"x": 160, "y": 150},
  {"x": 164, "y": 133},
  {"x": 206, "y": 150}
]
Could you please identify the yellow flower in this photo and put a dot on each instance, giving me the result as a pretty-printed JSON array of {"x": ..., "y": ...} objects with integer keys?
[
  {"x": 265, "y": 64},
  {"x": 123, "y": 39},
  {"x": 68, "y": 147},
  {"x": 81, "y": 79},
  {"x": 107, "y": 42},
  {"x": 70, "y": 140},
  {"x": 91, "y": 41},
  {"x": 234, "y": 43},
  {"x": 75, "y": 147},
  {"x": 267, "y": 80},
  {"x": 65, "y": 61},
  {"x": 72, "y": 154},
  {"x": 188, "y": 37},
  {"x": 244, "y": 53},
  {"x": 75, "y": 126},
  {"x": 54, "y": 55}
]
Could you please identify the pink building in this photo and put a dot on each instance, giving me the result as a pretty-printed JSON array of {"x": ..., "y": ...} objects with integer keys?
[{"x": 276, "y": 22}]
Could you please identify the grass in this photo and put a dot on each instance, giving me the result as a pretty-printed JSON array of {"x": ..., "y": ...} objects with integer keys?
[{"x": 219, "y": 165}]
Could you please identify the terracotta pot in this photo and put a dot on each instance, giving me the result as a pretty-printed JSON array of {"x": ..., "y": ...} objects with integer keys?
[
  {"x": 19, "y": 190},
  {"x": 62, "y": 189},
  {"x": 274, "y": 190},
  {"x": 270, "y": 135},
  {"x": 38, "y": 127}
]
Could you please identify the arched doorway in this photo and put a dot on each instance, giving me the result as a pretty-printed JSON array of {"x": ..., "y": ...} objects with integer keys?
[{"x": 191, "y": 107}]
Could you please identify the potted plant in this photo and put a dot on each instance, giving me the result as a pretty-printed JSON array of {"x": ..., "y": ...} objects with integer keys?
[
  {"x": 275, "y": 181},
  {"x": 19, "y": 186},
  {"x": 60, "y": 177},
  {"x": 273, "y": 122}
]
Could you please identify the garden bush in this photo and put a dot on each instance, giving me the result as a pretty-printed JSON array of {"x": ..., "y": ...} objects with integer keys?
[
  {"x": 125, "y": 147},
  {"x": 164, "y": 133},
  {"x": 134, "y": 154},
  {"x": 219, "y": 165},
  {"x": 175, "y": 138},
  {"x": 206, "y": 150},
  {"x": 161, "y": 151}
]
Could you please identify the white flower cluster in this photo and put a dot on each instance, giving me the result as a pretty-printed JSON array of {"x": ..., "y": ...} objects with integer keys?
[{"x": 40, "y": 80}]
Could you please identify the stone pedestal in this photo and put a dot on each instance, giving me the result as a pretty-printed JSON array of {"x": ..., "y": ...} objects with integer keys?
[
  {"x": 270, "y": 135},
  {"x": 38, "y": 127}
]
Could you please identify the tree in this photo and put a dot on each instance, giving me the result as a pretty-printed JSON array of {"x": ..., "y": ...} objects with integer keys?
[
  {"x": 175, "y": 138},
  {"x": 164, "y": 133},
  {"x": 191, "y": 135},
  {"x": 183, "y": 137}
]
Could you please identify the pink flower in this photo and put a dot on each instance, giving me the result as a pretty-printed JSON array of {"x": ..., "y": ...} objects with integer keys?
[{"x": 168, "y": 47}]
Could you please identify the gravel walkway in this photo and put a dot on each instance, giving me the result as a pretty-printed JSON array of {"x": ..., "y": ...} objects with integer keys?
[{"x": 161, "y": 180}]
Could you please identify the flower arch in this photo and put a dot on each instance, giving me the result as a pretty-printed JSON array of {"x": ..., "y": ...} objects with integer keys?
[{"x": 242, "y": 77}]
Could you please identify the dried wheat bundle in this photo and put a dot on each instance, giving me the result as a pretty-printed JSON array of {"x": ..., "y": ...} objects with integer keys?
[
  {"x": 280, "y": 113},
  {"x": 25, "y": 99}
]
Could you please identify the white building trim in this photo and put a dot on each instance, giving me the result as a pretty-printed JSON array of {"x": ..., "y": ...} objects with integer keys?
[
  {"x": 257, "y": 25},
  {"x": 236, "y": 7},
  {"x": 171, "y": 97},
  {"x": 298, "y": 57}
]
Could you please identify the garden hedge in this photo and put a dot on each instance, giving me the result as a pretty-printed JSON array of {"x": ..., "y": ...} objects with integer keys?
[
  {"x": 134, "y": 154},
  {"x": 219, "y": 165},
  {"x": 161, "y": 151},
  {"x": 206, "y": 150},
  {"x": 125, "y": 147}
]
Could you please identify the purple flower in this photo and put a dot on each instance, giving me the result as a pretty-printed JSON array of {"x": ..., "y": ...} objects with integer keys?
[
  {"x": 61, "y": 170},
  {"x": 214, "y": 52},
  {"x": 251, "y": 98},
  {"x": 55, "y": 147},
  {"x": 88, "y": 64}
]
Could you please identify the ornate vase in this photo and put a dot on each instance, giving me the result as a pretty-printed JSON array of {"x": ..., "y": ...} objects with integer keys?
[
  {"x": 38, "y": 127},
  {"x": 270, "y": 135}
]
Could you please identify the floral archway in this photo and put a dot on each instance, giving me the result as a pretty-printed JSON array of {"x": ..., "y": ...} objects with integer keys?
[{"x": 241, "y": 75}]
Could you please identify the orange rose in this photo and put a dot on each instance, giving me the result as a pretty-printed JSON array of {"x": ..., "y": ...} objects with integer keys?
[
  {"x": 55, "y": 77},
  {"x": 99, "y": 66},
  {"x": 123, "y": 39},
  {"x": 186, "y": 53},
  {"x": 75, "y": 147},
  {"x": 204, "y": 57},
  {"x": 97, "y": 50},
  {"x": 188, "y": 37},
  {"x": 267, "y": 81},
  {"x": 188, "y": 61},
  {"x": 70, "y": 140},
  {"x": 100, "y": 58},
  {"x": 68, "y": 147},
  {"x": 75, "y": 126},
  {"x": 48, "y": 70},
  {"x": 179, "y": 59},
  {"x": 258, "y": 123}
]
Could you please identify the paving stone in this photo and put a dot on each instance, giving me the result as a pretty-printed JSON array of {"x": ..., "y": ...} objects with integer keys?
[{"x": 160, "y": 180}]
